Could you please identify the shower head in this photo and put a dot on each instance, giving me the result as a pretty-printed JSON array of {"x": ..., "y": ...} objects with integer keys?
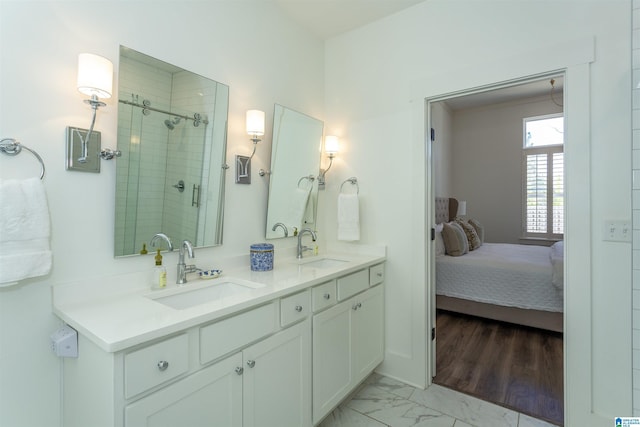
[{"x": 170, "y": 124}]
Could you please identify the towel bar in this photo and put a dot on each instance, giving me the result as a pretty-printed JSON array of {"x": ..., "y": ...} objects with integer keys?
[{"x": 11, "y": 147}]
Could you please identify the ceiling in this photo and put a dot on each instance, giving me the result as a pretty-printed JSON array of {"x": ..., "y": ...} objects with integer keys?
[
  {"x": 328, "y": 18},
  {"x": 525, "y": 90}
]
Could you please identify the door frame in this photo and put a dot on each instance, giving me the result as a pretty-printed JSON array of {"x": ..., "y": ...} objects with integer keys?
[{"x": 574, "y": 61}]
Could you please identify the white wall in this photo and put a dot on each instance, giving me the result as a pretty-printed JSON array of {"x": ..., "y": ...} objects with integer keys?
[
  {"x": 486, "y": 167},
  {"x": 375, "y": 82},
  {"x": 636, "y": 205},
  {"x": 248, "y": 45}
]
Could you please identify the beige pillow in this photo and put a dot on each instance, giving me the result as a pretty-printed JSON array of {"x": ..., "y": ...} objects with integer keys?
[
  {"x": 479, "y": 229},
  {"x": 455, "y": 241},
  {"x": 471, "y": 233}
]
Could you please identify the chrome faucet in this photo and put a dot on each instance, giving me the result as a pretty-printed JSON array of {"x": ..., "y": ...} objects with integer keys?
[
  {"x": 304, "y": 248},
  {"x": 281, "y": 225},
  {"x": 182, "y": 268},
  {"x": 162, "y": 236}
]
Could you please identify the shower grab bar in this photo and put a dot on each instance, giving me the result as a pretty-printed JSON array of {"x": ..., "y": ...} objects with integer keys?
[
  {"x": 146, "y": 106},
  {"x": 11, "y": 147}
]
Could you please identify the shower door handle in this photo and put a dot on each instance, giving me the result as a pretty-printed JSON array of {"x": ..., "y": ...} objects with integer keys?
[{"x": 195, "y": 196}]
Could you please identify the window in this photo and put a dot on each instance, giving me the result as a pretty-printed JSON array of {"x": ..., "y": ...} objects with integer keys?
[{"x": 543, "y": 180}]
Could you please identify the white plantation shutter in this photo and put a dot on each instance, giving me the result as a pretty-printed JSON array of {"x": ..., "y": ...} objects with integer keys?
[{"x": 543, "y": 182}]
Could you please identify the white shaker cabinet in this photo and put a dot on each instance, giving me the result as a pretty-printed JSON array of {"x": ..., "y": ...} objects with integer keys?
[
  {"x": 277, "y": 380},
  {"x": 212, "y": 396},
  {"x": 348, "y": 341},
  {"x": 267, "y": 384}
]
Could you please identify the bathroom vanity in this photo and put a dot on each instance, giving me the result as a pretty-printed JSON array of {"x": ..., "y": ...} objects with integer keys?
[{"x": 278, "y": 348}]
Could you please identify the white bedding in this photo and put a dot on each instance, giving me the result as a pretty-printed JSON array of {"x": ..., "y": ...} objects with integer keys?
[{"x": 503, "y": 274}]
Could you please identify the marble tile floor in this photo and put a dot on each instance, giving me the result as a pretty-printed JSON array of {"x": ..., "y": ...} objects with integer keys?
[{"x": 383, "y": 402}]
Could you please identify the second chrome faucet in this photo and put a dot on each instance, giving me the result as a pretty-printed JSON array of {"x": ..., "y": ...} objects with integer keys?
[{"x": 302, "y": 248}]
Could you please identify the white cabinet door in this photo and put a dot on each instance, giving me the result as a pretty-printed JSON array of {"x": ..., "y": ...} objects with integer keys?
[
  {"x": 210, "y": 397},
  {"x": 367, "y": 332},
  {"x": 277, "y": 380},
  {"x": 332, "y": 374}
]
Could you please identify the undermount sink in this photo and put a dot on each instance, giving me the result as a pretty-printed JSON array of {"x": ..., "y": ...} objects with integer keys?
[
  {"x": 323, "y": 263},
  {"x": 215, "y": 291}
]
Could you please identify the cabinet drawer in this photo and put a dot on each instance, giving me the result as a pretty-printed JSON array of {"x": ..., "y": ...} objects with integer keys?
[
  {"x": 155, "y": 364},
  {"x": 229, "y": 334},
  {"x": 294, "y": 307},
  {"x": 323, "y": 296},
  {"x": 352, "y": 284},
  {"x": 376, "y": 274}
]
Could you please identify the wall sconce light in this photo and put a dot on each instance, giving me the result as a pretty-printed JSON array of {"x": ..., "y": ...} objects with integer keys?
[
  {"x": 255, "y": 129},
  {"x": 95, "y": 79},
  {"x": 330, "y": 148},
  {"x": 462, "y": 208}
]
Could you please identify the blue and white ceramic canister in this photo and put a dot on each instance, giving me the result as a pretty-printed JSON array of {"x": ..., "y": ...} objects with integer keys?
[{"x": 261, "y": 257}]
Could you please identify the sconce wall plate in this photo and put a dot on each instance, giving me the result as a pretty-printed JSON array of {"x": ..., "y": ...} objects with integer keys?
[
  {"x": 74, "y": 150},
  {"x": 243, "y": 169}
]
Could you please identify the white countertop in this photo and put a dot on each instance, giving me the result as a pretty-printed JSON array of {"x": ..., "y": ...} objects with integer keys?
[{"x": 116, "y": 312}]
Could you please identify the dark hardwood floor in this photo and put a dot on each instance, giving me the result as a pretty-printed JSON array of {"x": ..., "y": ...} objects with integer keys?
[{"x": 510, "y": 365}]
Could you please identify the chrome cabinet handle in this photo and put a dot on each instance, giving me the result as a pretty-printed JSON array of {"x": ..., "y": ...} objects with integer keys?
[
  {"x": 379, "y": 274},
  {"x": 239, "y": 370},
  {"x": 251, "y": 363},
  {"x": 357, "y": 306},
  {"x": 163, "y": 365},
  {"x": 327, "y": 296},
  {"x": 298, "y": 308}
]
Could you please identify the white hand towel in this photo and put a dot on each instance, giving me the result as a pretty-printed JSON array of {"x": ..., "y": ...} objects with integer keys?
[
  {"x": 348, "y": 217},
  {"x": 24, "y": 230}
]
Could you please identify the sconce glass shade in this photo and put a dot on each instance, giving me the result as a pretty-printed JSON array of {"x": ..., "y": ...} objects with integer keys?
[
  {"x": 255, "y": 122},
  {"x": 95, "y": 75},
  {"x": 331, "y": 144},
  {"x": 462, "y": 208}
]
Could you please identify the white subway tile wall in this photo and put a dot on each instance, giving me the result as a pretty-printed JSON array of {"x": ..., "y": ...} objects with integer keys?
[{"x": 635, "y": 47}]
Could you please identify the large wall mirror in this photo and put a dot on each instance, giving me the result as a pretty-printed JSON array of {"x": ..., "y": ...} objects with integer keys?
[
  {"x": 295, "y": 162},
  {"x": 172, "y": 129}
]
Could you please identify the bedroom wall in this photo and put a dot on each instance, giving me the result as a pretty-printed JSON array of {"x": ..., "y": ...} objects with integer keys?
[
  {"x": 249, "y": 45},
  {"x": 486, "y": 166},
  {"x": 374, "y": 77}
]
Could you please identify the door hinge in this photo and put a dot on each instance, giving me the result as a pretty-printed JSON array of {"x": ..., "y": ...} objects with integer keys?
[
  {"x": 433, "y": 233},
  {"x": 433, "y": 334},
  {"x": 433, "y": 135}
]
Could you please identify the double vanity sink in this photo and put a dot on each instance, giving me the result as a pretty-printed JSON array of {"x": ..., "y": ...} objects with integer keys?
[{"x": 212, "y": 352}]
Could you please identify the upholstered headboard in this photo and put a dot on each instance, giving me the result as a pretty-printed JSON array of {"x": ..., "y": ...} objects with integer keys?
[{"x": 446, "y": 209}]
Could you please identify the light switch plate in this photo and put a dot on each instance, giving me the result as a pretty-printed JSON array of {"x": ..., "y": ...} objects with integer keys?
[
  {"x": 617, "y": 231},
  {"x": 74, "y": 150}
]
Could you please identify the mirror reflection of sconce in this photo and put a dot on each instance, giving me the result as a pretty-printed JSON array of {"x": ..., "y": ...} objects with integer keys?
[
  {"x": 255, "y": 129},
  {"x": 95, "y": 79},
  {"x": 331, "y": 148}
]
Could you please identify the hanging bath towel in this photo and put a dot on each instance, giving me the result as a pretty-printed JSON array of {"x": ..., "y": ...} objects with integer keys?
[
  {"x": 348, "y": 217},
  {"x": 24, "y": 230}
]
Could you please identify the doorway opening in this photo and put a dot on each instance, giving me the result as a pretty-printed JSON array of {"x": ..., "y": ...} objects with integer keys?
[{"x": 478, "y": 156}]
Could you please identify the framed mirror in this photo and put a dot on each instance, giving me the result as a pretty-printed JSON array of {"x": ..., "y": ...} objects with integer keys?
[
  {"x": 295, "y": 162},
  {"x": 172, "y": 130}
]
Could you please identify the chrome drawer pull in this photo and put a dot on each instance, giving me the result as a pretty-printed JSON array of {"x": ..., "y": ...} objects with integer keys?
[
  {"x": 163, "y": 365},
  {"x": 239, "y": 370},
  {"x": 298, "y": 308},
  {"x": 251, "y": 363},
  {"x": 327, "y": 296}
]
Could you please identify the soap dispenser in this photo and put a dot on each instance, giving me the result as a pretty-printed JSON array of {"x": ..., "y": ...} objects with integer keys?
[{"x": 159, "y": 278}]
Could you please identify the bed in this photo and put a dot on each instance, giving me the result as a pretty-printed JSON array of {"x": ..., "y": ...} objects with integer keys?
[{"x": 520, "y": 284}]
